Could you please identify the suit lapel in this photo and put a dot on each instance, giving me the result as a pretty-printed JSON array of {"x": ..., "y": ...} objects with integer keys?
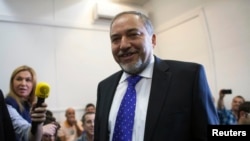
[
  {"x": 158, "y": 94},
  {"x": 106, "y": 105}
]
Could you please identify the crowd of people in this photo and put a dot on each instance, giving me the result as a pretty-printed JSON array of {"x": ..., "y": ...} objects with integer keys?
[
  {"x": 25, "y": 121},
  {"x": 72, "y": 129},
  {"x": 172, "y": 98}
]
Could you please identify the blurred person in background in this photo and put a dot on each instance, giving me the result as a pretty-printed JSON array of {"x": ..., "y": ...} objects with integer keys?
[
  {"x": 244, "y": 113},
  {"x": 90, "y": 107},
  {"x": 88, "y": 125},
  {"x": 71, "y": 128},
  {"x": 50, "y": 120},
  {"x": 7, "y": 132},
  {"x": 228, "y": 116}
]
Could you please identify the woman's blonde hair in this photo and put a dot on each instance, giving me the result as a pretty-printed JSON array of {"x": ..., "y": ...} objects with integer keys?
[{"x": 12, "y": 93}]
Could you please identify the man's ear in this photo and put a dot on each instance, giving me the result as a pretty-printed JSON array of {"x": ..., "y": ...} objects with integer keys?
[{"x": 153, "y": 40}]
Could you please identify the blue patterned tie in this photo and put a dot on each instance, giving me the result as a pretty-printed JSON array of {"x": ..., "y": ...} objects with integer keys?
[{"x": 125, "y": 116}]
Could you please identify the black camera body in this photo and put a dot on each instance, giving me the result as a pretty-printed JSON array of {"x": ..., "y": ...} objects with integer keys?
[{"x": 226, "y": 91}]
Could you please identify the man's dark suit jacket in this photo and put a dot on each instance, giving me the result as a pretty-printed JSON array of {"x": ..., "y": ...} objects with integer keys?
[
  {"x": 7, "y": 132},
  {"x": 180, "y": 104}
]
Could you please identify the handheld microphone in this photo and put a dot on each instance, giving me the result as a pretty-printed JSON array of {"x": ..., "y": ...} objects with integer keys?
[{"x": 42, "y": 92}]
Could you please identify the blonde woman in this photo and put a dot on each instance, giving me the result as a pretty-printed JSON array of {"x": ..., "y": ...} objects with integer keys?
[{"x": 20, "y": 101}]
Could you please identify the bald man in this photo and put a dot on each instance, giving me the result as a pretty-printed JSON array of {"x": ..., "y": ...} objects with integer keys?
[{"x": 71, "y": 128}]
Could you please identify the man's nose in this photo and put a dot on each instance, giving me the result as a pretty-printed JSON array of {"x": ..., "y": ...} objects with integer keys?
[{"x": 125, "y": 43}]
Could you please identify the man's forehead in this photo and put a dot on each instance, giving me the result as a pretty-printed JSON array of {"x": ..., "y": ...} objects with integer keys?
[{"x": 127, "y": 19}]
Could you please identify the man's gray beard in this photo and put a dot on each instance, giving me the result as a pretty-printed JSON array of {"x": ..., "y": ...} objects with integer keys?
[{"x": 136, "y": 68}]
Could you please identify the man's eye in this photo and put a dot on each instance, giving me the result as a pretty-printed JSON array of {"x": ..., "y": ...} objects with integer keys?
[
  {"x": 115, "y": 39},
  {"x": 134, "y": 34}
]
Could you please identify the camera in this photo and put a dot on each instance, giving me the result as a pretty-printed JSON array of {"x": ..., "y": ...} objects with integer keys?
[{"x": 226, "y": 91}]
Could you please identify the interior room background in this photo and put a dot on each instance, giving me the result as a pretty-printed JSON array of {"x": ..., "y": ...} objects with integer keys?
[{"x": 71, "y": 50}]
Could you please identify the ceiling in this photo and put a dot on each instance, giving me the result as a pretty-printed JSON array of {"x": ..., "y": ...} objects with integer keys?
[{"x": 135, "y": 2}]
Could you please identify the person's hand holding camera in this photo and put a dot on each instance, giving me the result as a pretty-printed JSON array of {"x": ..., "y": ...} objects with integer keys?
[{"x": 223, "y": 92}]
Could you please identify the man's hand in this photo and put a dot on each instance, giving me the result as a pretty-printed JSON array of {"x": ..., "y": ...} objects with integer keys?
[
  {"x": 50, "y": 129},
  {"x": 222, "y": 95}
]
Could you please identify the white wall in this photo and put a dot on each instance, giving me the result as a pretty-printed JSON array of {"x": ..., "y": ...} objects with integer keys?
[
  {"x": 59, "y": 40},
  {"x": 228, "y": 24},
  {"x": 186, "y": 38}
]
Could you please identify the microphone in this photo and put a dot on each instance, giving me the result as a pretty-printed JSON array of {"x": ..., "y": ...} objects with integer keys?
[{"x": 42, "y": 92}]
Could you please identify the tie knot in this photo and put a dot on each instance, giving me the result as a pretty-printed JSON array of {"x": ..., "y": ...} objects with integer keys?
[{"x": 133, "y": 79}]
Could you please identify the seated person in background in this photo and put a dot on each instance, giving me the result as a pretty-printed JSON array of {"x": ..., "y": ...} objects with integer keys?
[
  {"x": 50, "y": 120},
  {"x": 229, "y": 116},
  {"x": 88, "y": 125},
  {"x": 70, "y": 129},
  {"x": 49, "y": 114},
  {"x": 90, "y": 107},
  {"x": 244, "y": 113},
  {"x": 20, "y": 103}
]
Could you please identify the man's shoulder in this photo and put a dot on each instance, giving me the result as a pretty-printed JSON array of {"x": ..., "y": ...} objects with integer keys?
[
  {"x": 82, "y": 137},
  {"x": 178, "y": 64}
]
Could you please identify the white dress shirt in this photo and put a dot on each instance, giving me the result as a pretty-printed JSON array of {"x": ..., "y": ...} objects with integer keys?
[{"x": 143, "y": 88}]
